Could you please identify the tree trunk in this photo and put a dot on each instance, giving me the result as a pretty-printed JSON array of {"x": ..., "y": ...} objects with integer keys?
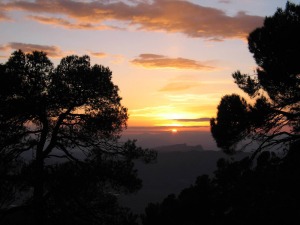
[
  {"x": 38, "y": 193},
  {"x": 38, "y": 203}
]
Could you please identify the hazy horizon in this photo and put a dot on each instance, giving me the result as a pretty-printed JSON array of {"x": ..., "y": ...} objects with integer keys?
[{"x": 152, "y": 137}]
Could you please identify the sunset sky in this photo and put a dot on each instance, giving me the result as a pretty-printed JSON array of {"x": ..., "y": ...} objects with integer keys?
[{"x": 171, "y": 59}]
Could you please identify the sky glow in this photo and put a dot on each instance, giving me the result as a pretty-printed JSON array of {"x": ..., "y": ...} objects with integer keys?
[{"x": 171, "y": 59}]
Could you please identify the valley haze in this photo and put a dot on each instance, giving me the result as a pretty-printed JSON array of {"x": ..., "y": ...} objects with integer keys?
[{"x": 182, "y": 157}]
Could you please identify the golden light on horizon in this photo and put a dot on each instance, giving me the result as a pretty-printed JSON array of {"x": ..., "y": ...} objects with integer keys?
[
  {"x": 177, "y": 115},
  {"x": 168, "y": 124},
  {"x": 169, "y": 117},
  {"x": 174, "y": 130}
]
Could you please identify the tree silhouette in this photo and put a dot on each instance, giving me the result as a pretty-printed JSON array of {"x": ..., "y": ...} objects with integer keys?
[
  {"x": 237, "y": 193},
  {"x": 71, "y": 113},
  {"x": 274, "y": 117}
]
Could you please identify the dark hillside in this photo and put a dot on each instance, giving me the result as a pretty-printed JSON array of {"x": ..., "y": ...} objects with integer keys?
[{"x": 172, "y": 172}]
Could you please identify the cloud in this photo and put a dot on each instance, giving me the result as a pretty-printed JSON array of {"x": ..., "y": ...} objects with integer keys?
[
  {"x": 113, "y": 58},
  {"x": 52, "y": 51},
  {"x": 225, "y": 1},
  {"x": 205, "y": 99},
  {"x": 150, "y": 111},
  {"x": 204, "y": 119},
  {"x": 3, "y": 11},
  {"x": 98, "y": 54},
  {"x": 117, "y": 59},
  {"x": 160, "y": 61},
  {"x": 178, "y": 86},
  {"x": 3, "y": 48},
  {"x": 3, "y": 17},
  {"x": 174, "y": 16},
  {"x": 67, "y": 24},
  {"x": 181, "y": 83}
]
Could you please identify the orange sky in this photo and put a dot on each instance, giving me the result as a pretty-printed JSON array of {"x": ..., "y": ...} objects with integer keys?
[{"x": 171, "y": 59}]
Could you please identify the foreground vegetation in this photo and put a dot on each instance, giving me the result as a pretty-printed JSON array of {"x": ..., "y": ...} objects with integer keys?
[{"x": 69, "y": 120}]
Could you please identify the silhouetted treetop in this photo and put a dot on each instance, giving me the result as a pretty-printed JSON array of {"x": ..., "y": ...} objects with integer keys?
[
  {"x": 275, "y": 49},
  {"x": 73, "y": 112},
  {"x": 74, "y": 104},
  {"x": 274, "y": 117},
  {"x": 232, "y": 121}
]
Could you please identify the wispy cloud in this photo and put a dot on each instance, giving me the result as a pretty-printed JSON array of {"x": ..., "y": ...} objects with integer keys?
[
  {"x": 113, "y": 58},
  {"x": 98, "y": 54},
  {"x": 52, "y": 51},
  {"x": 204, "y": 119},
  {"x": 192, "y": 98},
  {"x": 150, "y": 111},
  {"x": 3, "y": 16},
  {"x": 3, "y": 13},
  {"x": 158, "y": 15},
  {"x": 178, "y": 86},
  {"x": 161, "y": 61},
  {"x": 117, "y": 59},
  {"x": 181, "y": 83},
  {"x": 225, "y": 1},
  {"x": 68, "y": 24}
]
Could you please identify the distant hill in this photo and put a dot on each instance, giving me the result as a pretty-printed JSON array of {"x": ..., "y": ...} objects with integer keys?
[
  {"x": 176, "y": 168},
  {"x": 150, "y": 139},
  {"x": 179, "y": 147}
]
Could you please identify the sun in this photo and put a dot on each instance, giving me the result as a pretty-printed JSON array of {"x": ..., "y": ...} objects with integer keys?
[{"x": 174, "y": 130}]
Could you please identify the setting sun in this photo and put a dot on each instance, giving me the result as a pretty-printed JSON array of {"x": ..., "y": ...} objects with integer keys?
[{"x": 174, "y": 130}]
